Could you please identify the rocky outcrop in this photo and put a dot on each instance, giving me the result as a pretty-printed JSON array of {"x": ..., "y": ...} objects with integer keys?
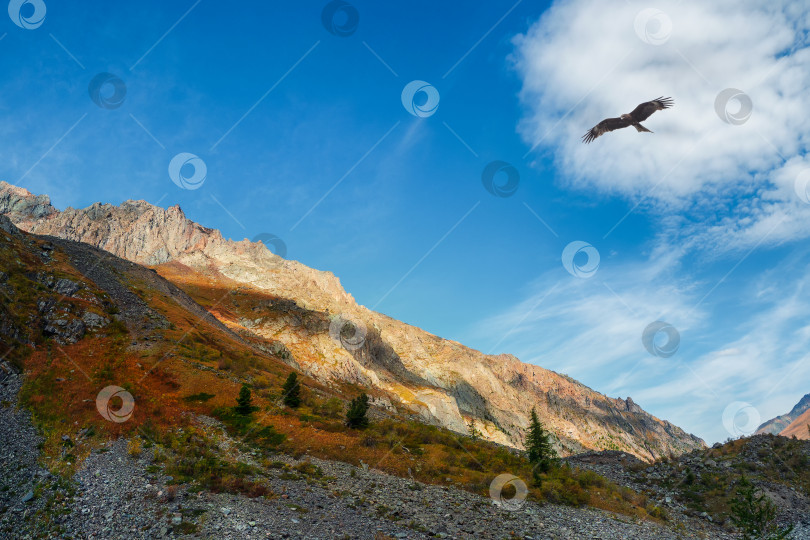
[
  {"x": 774, "y": 465},
  {"x": 441, "y": 381},
  {"x": 19, "y": 202}
]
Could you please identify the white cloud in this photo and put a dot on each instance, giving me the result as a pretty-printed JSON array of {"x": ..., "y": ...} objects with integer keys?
[{"x": 583, "y": 61}]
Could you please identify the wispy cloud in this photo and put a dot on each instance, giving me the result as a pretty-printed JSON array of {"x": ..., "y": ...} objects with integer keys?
[{"x": 748, "y": 346}]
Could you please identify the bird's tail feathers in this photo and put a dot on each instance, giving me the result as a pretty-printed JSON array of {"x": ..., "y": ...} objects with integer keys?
[{"x": 641, "y": 128}]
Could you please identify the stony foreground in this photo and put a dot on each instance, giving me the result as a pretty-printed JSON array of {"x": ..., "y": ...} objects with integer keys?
[{"x": 120, "y": 496}]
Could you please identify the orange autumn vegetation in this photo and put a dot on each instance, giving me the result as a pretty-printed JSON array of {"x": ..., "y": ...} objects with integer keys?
[{"x": 194, "y": 366}]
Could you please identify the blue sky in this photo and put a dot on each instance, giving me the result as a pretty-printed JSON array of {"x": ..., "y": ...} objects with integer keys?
[{"x": 697, "y": 225}]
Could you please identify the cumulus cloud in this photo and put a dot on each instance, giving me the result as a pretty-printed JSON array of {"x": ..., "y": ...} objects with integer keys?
[{"x": 586, "y": 60}]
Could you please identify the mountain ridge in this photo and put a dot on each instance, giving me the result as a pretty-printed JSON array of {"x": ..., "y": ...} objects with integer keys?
[
  {"x": 442, "y": 381},
  {"x": 784, "y": 424}
]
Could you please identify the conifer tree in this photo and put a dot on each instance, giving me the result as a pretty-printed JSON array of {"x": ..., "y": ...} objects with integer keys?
[
  {"x": 755, "y": 514},
  {"x": 541, "y": 453},
  {"x": 356, "y": 415},
  {"x": 244, "y": 401},
  {"x": 291, "y": 391},
  {"x": 473, "y": 430}
]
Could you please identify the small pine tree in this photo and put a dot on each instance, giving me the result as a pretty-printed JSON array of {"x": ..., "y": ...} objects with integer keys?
[
  {"x": 356, "y": 415},
  {"x": 473, "y": 430},
  {"x": 755, "y": 514},
  {"x": 690, "y": 477},
  {"x": 244, "y": 401},
  {"x": 541, "y": 453},
  {"x": 292, "y": 391}
]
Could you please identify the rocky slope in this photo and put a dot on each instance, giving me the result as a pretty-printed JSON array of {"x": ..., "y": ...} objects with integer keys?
[
  {"x": 799, "y": 427},
  {"x": 703, "y": 483},
  {"x": 440, "y": 380},
  {"x": 784, "y": 424}
]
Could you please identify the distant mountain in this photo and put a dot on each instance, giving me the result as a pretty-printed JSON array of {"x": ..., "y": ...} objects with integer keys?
[
  {"x": 778, "y": 425},
  {"x": 269, "y": 298},
  {"x": 799, "y": 427}
]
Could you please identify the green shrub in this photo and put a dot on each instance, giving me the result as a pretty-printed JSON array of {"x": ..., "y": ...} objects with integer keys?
[
  {"x": 331, "y": 408},
  {"x": 201, "y": 397}
]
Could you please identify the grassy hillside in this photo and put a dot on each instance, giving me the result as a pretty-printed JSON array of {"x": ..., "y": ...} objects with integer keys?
[{"x": 178, "y": 364}]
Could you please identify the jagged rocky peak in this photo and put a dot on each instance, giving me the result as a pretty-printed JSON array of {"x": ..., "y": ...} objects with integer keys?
[
  {"x": 631, "y": 405},
  {"x": 21, "y": 202},
  {"x": 136, "y": 230},
  {"x": 151, "y": 235}
]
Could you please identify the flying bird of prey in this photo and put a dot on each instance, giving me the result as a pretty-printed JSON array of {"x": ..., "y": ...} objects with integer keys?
[{"x": 639, "y": 114}]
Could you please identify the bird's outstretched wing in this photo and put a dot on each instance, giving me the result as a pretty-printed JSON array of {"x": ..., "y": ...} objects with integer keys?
[
  {"x": 645, "y": 110},
  {"x": 609, "y": 124}
]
